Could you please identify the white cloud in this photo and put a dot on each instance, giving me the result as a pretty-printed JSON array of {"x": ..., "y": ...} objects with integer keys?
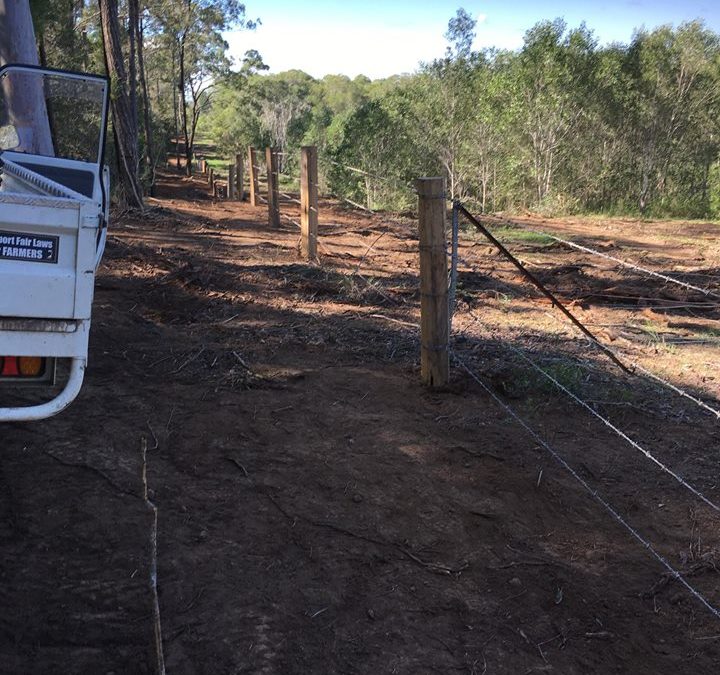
[{"x": 377, "y": 51}]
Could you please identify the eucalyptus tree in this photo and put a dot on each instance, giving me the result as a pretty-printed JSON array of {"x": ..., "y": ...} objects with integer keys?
[
  {"x": 676, "y": 76},
  {"x": 191, "y": 31},
  {"x": 25, "y": 105},
  {"x": 123, "y": 104},
  {"x": 447, "y": 104},
  {"x": 555, "y": 70}
]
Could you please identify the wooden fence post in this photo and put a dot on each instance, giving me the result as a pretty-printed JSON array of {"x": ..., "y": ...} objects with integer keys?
[
  {"x": 231, "y": 182},
  {"x": 434, "y": 327},
  {"x": 309, "y": 202},
  {"x": 240, "y": 186},
  {"x": 273, "y": 195},
  {"x": 252, "y": 158}
]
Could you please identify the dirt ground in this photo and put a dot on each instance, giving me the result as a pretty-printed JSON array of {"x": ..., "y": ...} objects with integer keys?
[{"x": 319, "y": 511}]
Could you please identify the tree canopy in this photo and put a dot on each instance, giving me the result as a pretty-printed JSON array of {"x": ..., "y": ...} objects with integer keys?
[{"x": 563, "y": 124}]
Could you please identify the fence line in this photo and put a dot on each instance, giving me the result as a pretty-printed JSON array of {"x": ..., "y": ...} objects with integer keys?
[
  {"x": 619, "y": 355},
  {"x": 674, "y": 573},
  {"x": 677, "y": 390},
  {"x": 619, "y": 432},
  {"x": 290, "y": 197},
  {"x": 622, "y": 262},
  {"x": 637, "y": 366},
  {"x": 382, "y": 179},
  {"x": 541, "y": 287}
]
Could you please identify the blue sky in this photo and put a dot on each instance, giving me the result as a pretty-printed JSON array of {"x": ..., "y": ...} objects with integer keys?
[{"x": 379, "y": 39}]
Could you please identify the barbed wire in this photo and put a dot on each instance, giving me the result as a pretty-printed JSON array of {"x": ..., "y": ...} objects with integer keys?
[
  {"x": 674, "y": 573},
  {"x": 540, "y": 286},
  {"x": 620, "y": 261},
  {"x": 663, "y": 467},
  {"x": 383, "y": 179},
  {"x": 634, "y": 365},
  {"x": 290, "y": 198}
]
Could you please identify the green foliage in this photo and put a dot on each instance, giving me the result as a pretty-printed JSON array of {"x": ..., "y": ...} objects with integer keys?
[{"x": 560, "y": 126}]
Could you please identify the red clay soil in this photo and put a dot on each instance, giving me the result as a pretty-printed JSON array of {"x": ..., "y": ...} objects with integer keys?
[{"x": 319, "y": 511}]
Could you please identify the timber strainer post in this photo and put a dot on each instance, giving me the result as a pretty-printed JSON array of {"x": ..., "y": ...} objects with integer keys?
[
  {"x": 253, "y": 175},
  {"x": 273, "y": 194},
  {"x": 309, "y": 202},
  {"x": 434, "y": 327}
]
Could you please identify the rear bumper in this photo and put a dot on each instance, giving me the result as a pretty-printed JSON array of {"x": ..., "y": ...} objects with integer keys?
[{"x": 56, "y": 405}]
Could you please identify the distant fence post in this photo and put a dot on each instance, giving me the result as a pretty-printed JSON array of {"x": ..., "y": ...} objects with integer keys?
[
  {"x": 231, "y": 182},
  {"x": 211, "y": 180},
  {"x": 252, "y": 158},
  {"x": 240, "y": 186},
  {"x": 434, "y": 328},
  {"x": 309, "y": 202},
  {"x": 273, "y": 195}
]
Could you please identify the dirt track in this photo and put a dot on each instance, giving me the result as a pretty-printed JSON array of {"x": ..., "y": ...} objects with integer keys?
[{"x": 319, "y": 511}]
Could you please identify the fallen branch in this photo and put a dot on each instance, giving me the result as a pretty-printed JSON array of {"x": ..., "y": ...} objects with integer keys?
[{"x": 157, "y": 626}]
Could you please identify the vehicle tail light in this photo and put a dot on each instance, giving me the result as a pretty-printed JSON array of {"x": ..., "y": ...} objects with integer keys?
[{"x": 25, "y": 369}]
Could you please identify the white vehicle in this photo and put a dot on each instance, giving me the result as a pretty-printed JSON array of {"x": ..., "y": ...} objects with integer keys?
[{"x": 54, "y": 198}]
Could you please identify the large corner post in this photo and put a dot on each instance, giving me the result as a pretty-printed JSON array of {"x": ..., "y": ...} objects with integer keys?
[
  {"x": 273, "y": 194},
  {"x": 434, "y": 327},
  {"x": 253, "y": 175},
  {"x": 309, "y": 202}
]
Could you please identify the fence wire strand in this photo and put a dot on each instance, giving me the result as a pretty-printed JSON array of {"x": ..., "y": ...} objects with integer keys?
[
  {"x": 663, "y": 467},
  {"x": 674, "y": 573},
  {"x": 624, "y": 263},
  {"x": 620, "y": 355}
]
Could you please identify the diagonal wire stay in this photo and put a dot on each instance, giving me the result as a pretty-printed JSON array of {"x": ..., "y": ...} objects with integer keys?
[
  {"x": 674, "y": 573},
  {"x": 619, "y": 432},
  {"x": 636, "y": 366},
  {"x": 540, "y": 286},
  {"x": 653, "y": 376},
  {"x": 624, "y": 263}
]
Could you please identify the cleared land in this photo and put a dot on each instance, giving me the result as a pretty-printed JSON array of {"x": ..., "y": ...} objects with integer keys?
[{"x": 319, "y": 511}]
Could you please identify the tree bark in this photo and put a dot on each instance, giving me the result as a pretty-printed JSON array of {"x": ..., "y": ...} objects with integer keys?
[
  {"x": 124, "y": 130},
  {"x": 24, "y": 95},
  {"x": 133, "y": 12},
  {"x": 147, "y": 116},
  {"x": 183, "y": 104}
]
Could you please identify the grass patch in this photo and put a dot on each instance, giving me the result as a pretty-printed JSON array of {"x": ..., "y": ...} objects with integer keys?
[
  {"x": 511, "y": 235},
  {"x": 569, "y": 375},
  {"x": 514, "y": 235}
]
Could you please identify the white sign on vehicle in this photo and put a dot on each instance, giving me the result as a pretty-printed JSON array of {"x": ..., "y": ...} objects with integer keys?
[{"x": 28, "y": 247}]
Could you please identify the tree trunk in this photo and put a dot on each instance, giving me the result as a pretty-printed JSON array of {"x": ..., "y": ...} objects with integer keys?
[
  {"x": 132, "y": 62},
  {"x": 23, "y": 95},
  {"x": 147, "y": 125},
  {"x": 125, "y": 132},
  {"x": 183, "y": 104},
  {"x": 176, "y": 108}
]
